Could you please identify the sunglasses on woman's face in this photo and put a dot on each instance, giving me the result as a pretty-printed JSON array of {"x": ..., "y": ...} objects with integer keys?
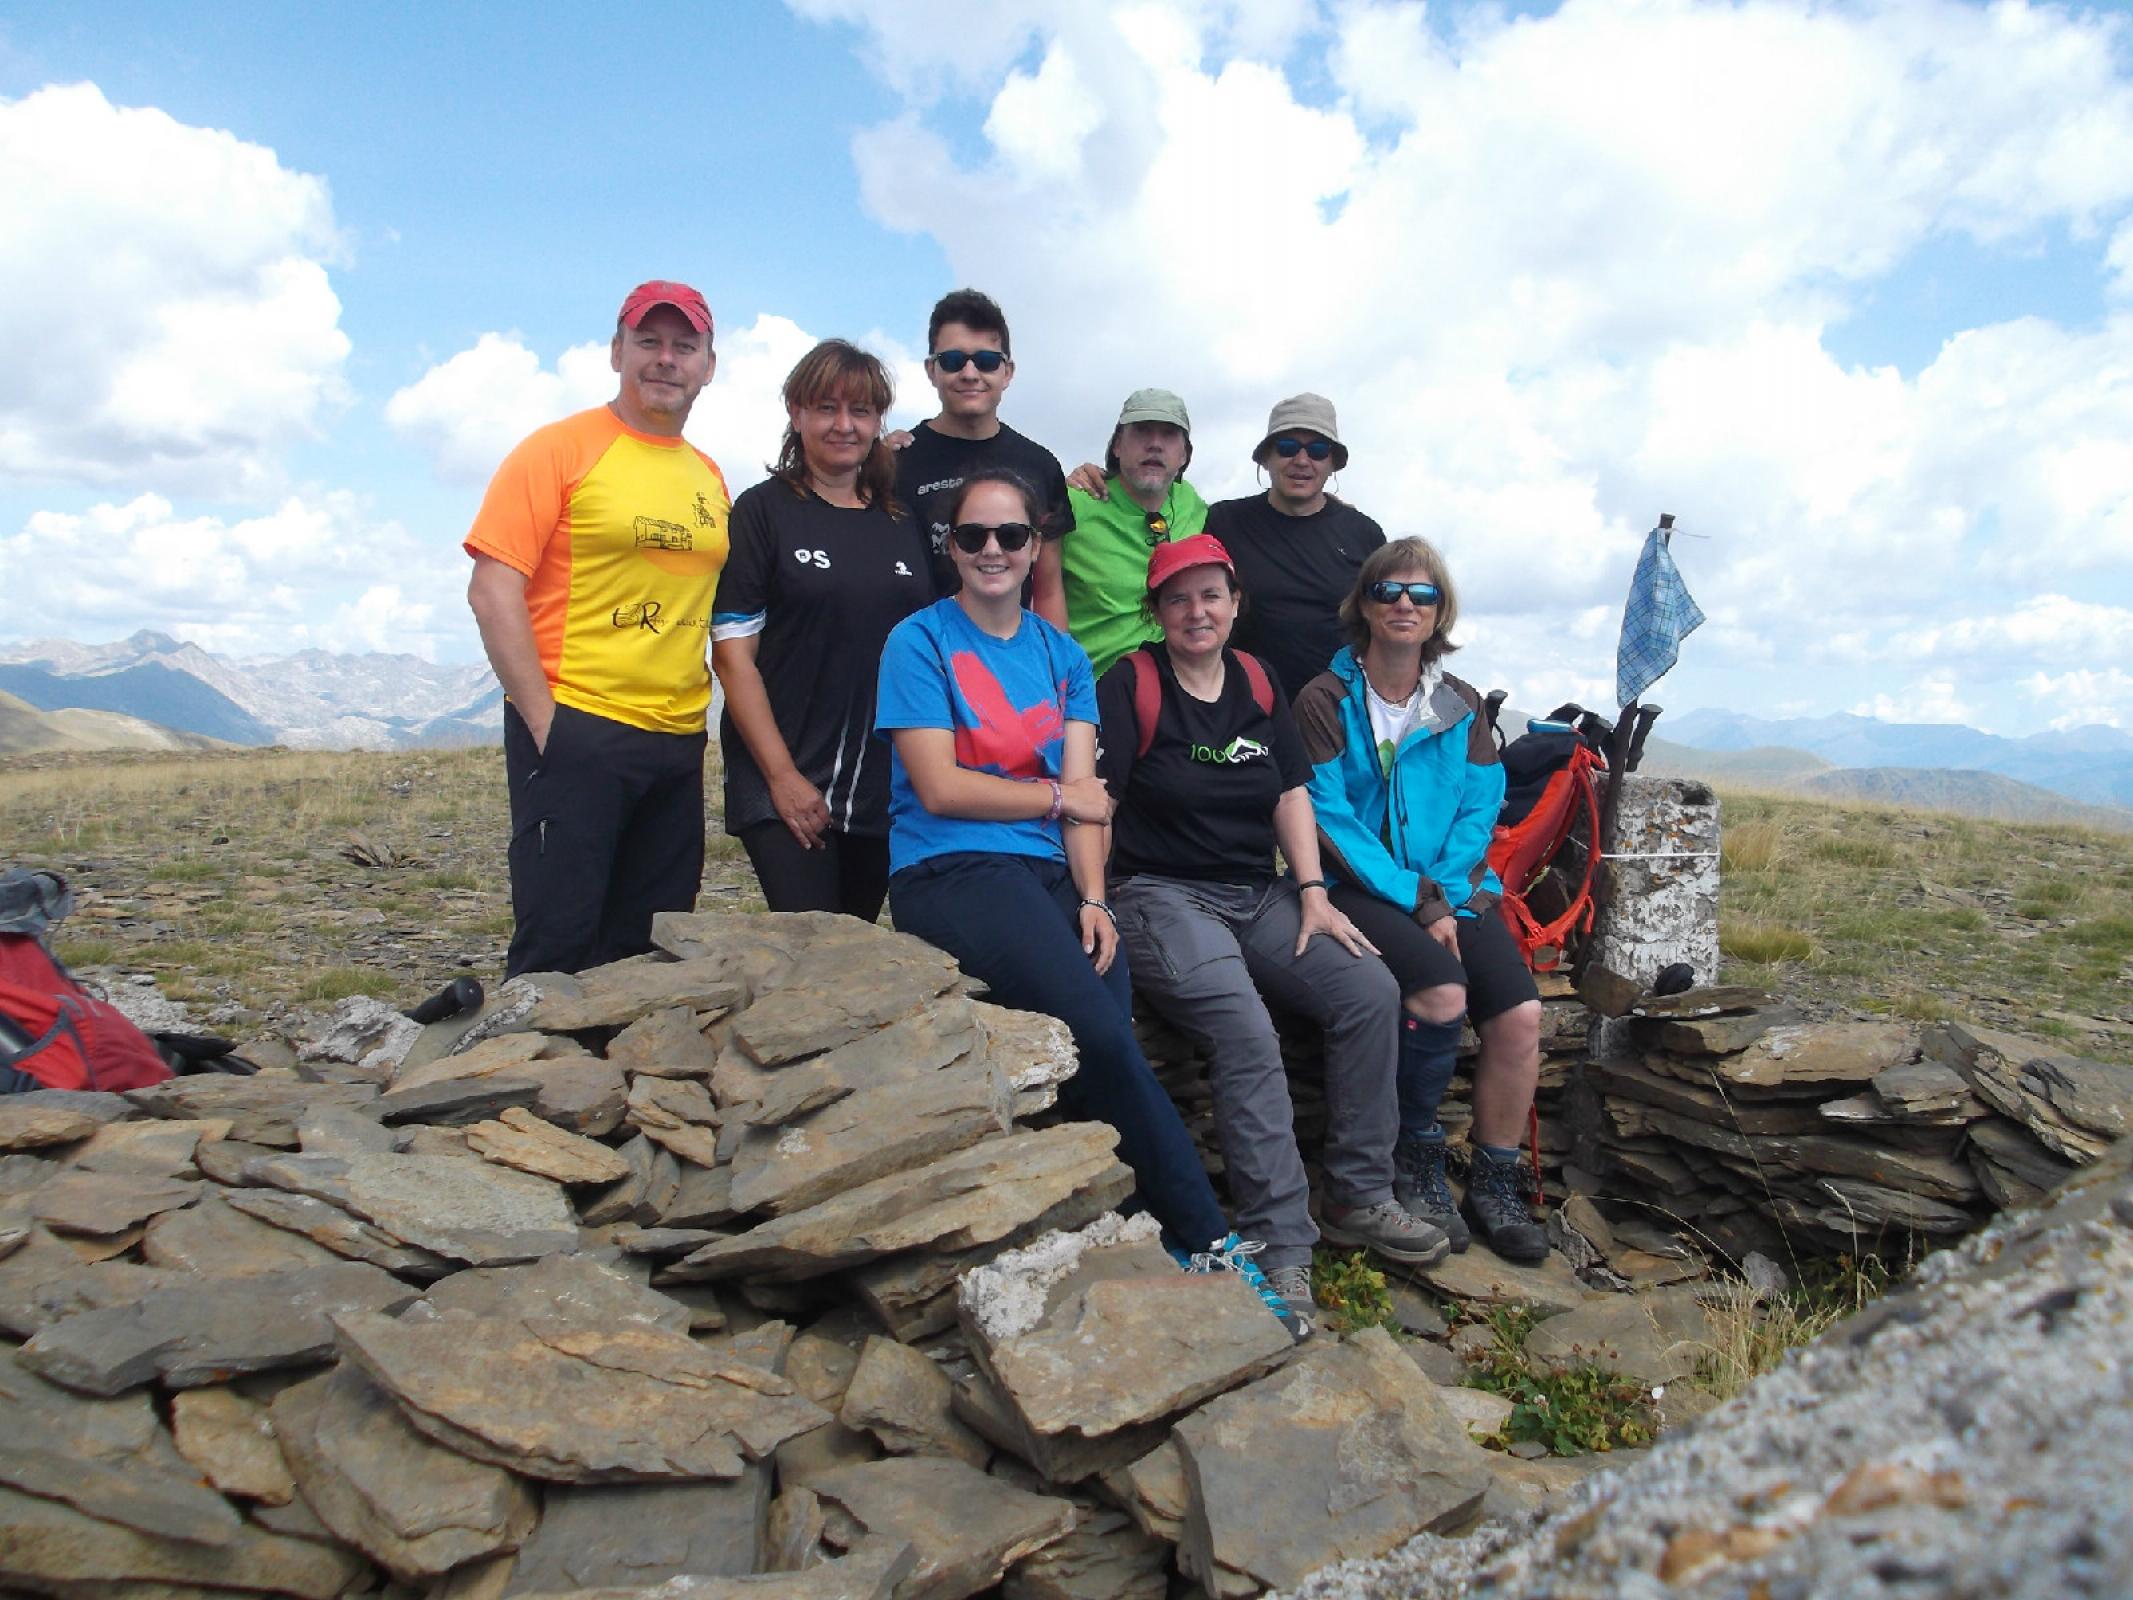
[
  {"x": 970, "y": 537},
  {"x": 986, "y": 361},
  {"x": 1385, "y": 592},
  {"x": 1317, "y": 449}
]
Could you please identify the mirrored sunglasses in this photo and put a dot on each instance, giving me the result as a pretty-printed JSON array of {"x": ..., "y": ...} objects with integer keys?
[
  {"x": 970, "y": 537},
  {"x": 1317, "y": 449},
  {"x": 1385, "y": 592},
  {"x": 986, "y": 361}
]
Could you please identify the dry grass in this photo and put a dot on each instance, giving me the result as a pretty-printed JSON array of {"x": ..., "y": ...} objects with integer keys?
[
  {"x": 1928, "y": 917},
  {"x": 1750, "y": 1335}
]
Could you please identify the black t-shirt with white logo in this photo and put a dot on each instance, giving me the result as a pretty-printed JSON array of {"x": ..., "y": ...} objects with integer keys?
[
  {"x": 1295, "y": 571},
  {"x": 820, "y": 586},
  {"x": 933, "y": 466},
  {"x": 1200, "y": 803}
]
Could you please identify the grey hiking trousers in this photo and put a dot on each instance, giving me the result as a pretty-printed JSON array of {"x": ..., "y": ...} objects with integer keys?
[{"x": 1202, "y": 954}]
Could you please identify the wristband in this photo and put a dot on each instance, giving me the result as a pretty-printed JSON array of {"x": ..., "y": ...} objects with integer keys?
[
  {"x": 1058, "y": 800},
  {"x": 1312, "y": 883},
  {"x": 1104, "y": 908}
]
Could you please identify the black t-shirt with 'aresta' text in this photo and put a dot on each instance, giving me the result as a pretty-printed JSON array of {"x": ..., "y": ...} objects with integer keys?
[
  {"x": 932, "y": 467},
  {"x": 1200, "y": 803}
]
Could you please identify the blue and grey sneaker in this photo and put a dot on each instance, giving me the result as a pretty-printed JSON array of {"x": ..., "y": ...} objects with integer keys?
[{"x": 1232, "y": 1254}]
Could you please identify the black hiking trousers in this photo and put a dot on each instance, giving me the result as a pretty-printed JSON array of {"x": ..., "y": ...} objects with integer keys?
[{"x": 607, "y": 827}]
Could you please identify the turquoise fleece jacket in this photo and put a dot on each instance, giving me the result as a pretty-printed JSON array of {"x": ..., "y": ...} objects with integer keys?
[{"x": 1421, "y": 838}]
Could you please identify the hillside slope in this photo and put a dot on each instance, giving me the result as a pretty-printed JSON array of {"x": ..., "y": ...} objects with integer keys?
[{"x": 24, "y": 730}]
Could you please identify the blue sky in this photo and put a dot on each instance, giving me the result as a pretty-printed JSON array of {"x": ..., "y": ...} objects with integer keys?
[{"x": 1847, "y": 288}]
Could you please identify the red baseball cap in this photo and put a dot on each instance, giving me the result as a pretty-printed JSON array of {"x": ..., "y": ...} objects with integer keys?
[
  {"x": 662, "y": 292},
  {"x": 1166, "y": 561}
]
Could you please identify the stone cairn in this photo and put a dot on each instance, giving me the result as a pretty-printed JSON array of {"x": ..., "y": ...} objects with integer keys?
[{"x": 764, "y": 1266}]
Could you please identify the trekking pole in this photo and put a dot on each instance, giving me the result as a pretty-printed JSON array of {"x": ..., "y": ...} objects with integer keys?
[
  {"x": 1646, "y": 716},
  {"x": 460, "y": 995}
]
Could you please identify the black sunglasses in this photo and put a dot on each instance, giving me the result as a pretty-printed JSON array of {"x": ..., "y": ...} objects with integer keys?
[
  {"x": 953, "y": 360},
  {"x": 1385, "y": 592},
  {"x": 970, "y": 537},
  {"x": 1317, "y": 449}
]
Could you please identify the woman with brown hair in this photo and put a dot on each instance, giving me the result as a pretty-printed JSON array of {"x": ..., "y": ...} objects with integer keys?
[
  {"x": 823, "y": 564},
  {"x": 1406, "y": 786}
]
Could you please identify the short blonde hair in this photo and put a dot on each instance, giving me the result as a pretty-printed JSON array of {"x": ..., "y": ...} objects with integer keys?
[{"x": 1397, "y": 556}]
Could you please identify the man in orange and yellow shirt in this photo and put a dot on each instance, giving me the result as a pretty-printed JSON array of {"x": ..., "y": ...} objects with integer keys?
[{"x": 596, "y": 558}]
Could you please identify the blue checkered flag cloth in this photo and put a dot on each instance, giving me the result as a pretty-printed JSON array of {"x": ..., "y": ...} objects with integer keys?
[{"x": 1659, "y": 616}]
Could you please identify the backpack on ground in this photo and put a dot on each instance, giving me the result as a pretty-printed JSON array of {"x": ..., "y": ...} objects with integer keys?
[
  {"x": 1148, "y": 692},
  {"x": 53, "y": 1033},
  {"x": 1546, "y": 847}
]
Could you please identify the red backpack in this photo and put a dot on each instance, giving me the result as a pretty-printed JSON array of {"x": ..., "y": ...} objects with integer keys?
[
  {"x": 1148, "y": 692},
  {"x": 1546, "y": 844},
  {"x": 53, "y": 1033}
]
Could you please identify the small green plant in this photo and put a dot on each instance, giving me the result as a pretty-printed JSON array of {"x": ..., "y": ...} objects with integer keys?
[
  {"x": 1351, "y": 1293},
  {"x": 1583, "y": 1411}
]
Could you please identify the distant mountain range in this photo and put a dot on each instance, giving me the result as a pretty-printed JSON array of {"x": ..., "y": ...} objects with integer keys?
[
  {"x": 314, "y": 700},
  {"x": 2082, "y": 775},
  {"x": 24, "y": 730}
]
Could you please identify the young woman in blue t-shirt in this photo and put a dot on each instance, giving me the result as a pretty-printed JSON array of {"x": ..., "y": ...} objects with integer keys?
[{"x": 991, "y": 716}]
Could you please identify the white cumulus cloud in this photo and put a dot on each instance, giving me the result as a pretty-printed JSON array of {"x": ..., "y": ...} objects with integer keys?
[{"x": 165, "y": 311}]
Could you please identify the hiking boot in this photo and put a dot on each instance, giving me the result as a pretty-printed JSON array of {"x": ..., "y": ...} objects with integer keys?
[
  {"x": 1233, "y": 1254},
  {"x": 1388, "y": 1228},
  {"x": 1419, "y": 1184},
  {"x": 1496, "y": 1206},
  {"x": 1293, "y": 1284}
]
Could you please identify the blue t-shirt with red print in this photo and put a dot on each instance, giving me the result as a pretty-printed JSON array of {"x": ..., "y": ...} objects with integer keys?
[{"x": 1007, "y": 701}]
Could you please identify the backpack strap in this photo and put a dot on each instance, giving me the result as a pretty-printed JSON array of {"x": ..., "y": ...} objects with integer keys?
[
  {"x": 1148, "y": 692},
  {"x": 1147, "y": 700},
  {"x": 1255, "y": 674}
]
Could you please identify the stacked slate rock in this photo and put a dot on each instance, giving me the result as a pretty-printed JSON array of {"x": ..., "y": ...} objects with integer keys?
[
  {"x": 664, "y": 1272},
  {"x": 1769, "y": 1133}
]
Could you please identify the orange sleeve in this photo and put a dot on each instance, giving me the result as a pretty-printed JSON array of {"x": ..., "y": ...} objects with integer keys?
[{"x": 523, "y": 508}]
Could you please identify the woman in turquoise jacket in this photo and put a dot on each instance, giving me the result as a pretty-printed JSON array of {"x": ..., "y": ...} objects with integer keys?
[{"x": 1406, "y": 786}]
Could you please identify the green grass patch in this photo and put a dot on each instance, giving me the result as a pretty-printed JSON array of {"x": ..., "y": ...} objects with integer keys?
[
  {"x": 445, "y": 878},
  {"x": 1762, "y": 943},
  {"x": 185, "y": 869},
  {"x": 1351, "y": 1293},
  {"x": 1582, "y": 1411},
  {"x": 338, "y": 983},
  {"x": 85, "y": 952},
  {"x": 1853, "y": 852}
]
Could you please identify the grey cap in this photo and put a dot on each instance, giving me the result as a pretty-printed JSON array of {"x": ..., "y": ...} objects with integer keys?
[
  {"x": 1305, "y": 413},
  {"x": 1155, "y": 405}
]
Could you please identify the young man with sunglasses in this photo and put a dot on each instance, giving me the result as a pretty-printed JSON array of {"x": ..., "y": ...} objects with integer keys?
[
  {"x": 969, "y": 362},
  {"x": 1139, "y": 500},
  {"x": 1297, "y": 548}
]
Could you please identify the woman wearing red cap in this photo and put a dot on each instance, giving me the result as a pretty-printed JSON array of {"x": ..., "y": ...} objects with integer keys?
[{"x": 1210, "y": 775}]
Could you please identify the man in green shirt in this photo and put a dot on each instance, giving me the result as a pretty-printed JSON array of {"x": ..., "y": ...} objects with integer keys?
[{"x": 1144, "y": 501}]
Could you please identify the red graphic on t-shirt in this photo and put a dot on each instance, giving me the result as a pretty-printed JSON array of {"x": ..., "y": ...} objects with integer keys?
[{"x": 1005, "y": 739}]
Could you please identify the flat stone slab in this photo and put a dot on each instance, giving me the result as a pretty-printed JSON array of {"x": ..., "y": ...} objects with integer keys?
[
  {"x": 262, "y": 1109},
  {"x": 574, "y": 1288},
  {"x": 148, "y": 1149},
  {"x": 519, "y": 1139},
  {"x": 44, "y": 1280},
  {"x": 469, "y": 1210},
  {"x": 1478, "y": 1276},
  {"x": 109, "y": 1458},
  {"x": 1105, "y": 1558},
  {"x": 968, "y": 1528},
  {"x": 618, "y": 994},
  {"x": 964, "y": 1200},
  {"x": 332, "y": 1229},
  {"x": 412, "y": 1506},
  {"x": 1807, "y": 1054},
  {"x": 664, "y": 1044},
  {"x": 198, "y": 1332},
  {"x": 213, "y": 1239},
  {"x": 646, "y": 1403},
  {"x": 871, "y": 1571},
  {"x": 909, "y": 1048},
  {"x": 228, "y": 1439},
  {"x": 869, "y": 1134},
  {"x": 1349, "y": 1441},
  {"x": 638, "y": 1535},
  {"x": 507, "y": 1053},
  {"x": 1654, "y": 1338},
  {"x": 2077, "y": 1107},
  {"x": 848, "y": 993},
  {"x": 27, "y": 1125},
  {"x": 901, "y": 1396},
  {"x": 105, "y": 1203},
  {"x": 1099, "y": 1330}
]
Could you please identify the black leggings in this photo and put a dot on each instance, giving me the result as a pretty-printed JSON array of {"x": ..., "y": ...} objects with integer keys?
[
  {"x": 1488, "y": 964},
  {"x": 847, "y": 872}
]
